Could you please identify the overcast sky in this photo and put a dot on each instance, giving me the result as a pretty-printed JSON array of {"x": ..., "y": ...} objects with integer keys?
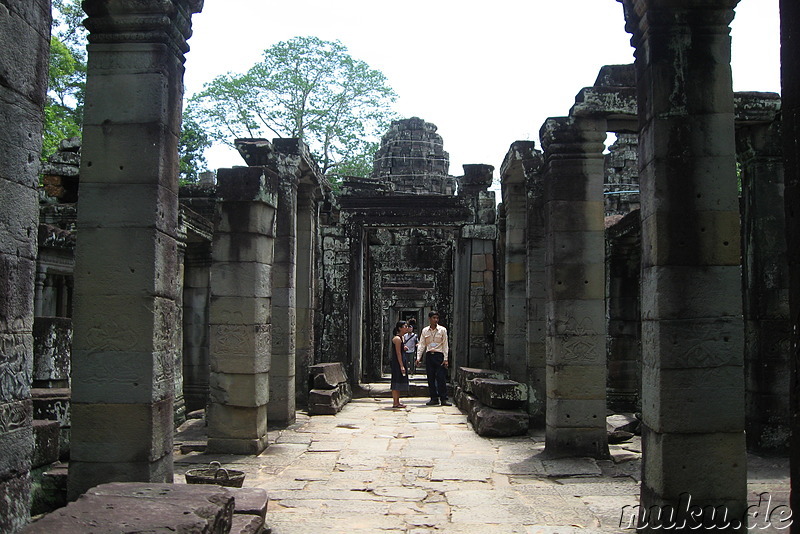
[{"x": 485, "y": 73}]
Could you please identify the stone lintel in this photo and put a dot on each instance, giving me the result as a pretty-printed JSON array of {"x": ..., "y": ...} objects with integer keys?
[
  {"x": 753, "y": 107},
  {"x": 248, "y": 184},
  {"x": 603, "y": 102}
]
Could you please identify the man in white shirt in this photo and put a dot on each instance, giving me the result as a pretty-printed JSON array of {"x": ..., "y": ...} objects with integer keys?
[{"x": 434, "y": 346}]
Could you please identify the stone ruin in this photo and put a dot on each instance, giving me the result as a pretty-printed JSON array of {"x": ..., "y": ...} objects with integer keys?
[{"x": 673, "y": 300}]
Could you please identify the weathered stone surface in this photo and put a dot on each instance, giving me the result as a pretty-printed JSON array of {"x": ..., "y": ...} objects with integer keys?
[
  {"x": 140, "y": 507},
  {"x": 246, "y": 524},
  {"x": 251, "y": 501},
  {"x": 491, "y": 422},
  {"x": 499, "y": 393},
  {"x": 328, "y": 401},
  {"x": 624, "y": 422},
  {"x": 46, "y": 443},
  {"x": 14, "y": 501},
  {"x": 52, "y": 346},
  {"x": 326, "y": 375},
  {"x": 51, "y": 403},
  {"x": 467, "y": 374}
]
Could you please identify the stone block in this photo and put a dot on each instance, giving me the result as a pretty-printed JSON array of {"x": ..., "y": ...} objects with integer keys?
[
  {"x": 576, "y": 350},
  {"x": 49, "y": 488},
  {"x": 700, "y": 400},
  {"x": 575, "y": 247},
  {"x": 122, "y": 433},
  {"x": 244, "y": 247},
  {"x": 668, "y": 471},
  {"x": 16, "y": 294},
  {"x": 244, "y": 446},
  {"x": 236, "y": 422},
  {"x": 124, "y": 323},
  {"x": 242, "y": 348},
  {"x": 16, "y": 353},
  {"x": 246, "y": 390},
  {"x": 14, "y": 502},
  {"x": 225, "y": 310},
  {"x": 326, "y": 375},
  {"x": 16, "y": 437},
  {"x": 575, "y": 317},
  {"x": 491, "y": 422},
  {"x": 466, "y": 374},
  {"x": 18, "y": 239},
  {"x": 328, "y": 401},
  {"x": 46, "y": 443},
  {"x": 576, "y": 381},
  {"x": 705, "y": 238},
  {"x": 576, "y": 413},
  {"x": 575, "y": 216},
  {"x": 500, "y": 394},
  {"x": 142, "y": 158},
  {"x": 52, "y": 349},
  {"x": 134, "y": 261},
  {"x": 250, "y": 501},
  {"x": 693, "y": 343},
  {"x": 573, "y": 442},
  {"x": 577, "y": 281},
  {"x": 130, "y": 377},
  {"x": 140, "y": 507},
  {"x": 241, "y": 279},
  {"x": 248, "y": 184},
  {"x": 246, "y": 524},
  {"x": 155, "y": 206}
]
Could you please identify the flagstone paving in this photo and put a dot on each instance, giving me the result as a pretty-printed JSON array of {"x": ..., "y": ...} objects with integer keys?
[{"x": 423, "y": 470}]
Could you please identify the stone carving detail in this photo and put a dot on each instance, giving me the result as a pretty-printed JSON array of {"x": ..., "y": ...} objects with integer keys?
[
  {"x": 574, "y": 327},
  {"x": 16, "y": 364},
  {"x": 111, "y": 336},
  {"x": 578, "y": 350},
  {"x": 231, "y": 338},
  {"x": 15, "y": 415}
]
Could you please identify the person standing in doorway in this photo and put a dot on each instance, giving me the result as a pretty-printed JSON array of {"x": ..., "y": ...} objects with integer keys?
[
  {"x": 397, "y": 364},
  {"x": 434, "y": 346},
  {"x": 410, "y": 340}
]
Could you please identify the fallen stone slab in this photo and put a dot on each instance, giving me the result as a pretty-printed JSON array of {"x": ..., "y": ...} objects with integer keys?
[
  {"x": 624, "y": 422},
  {"x": 250, "y": 501},
  {"x": 328, "y": 401},
  {"x": 466, "y": 374},
  {"x": 247, "y": 524},
  {"x": 326, "y": 375},
  {"x": 491, "y": 422},
  {"x": 500, "y": 393},
  {"x": 121, "y": 507}
]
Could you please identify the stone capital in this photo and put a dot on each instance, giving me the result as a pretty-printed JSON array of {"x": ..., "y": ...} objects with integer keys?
[{"x": 571, "y": 136}]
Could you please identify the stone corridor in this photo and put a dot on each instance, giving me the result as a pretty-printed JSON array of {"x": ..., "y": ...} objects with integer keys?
[{"x": 424, "y": 470}]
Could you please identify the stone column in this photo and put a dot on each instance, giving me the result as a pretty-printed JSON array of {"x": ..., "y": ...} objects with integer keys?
[
  {"x": 692, "y": 332},
  {"x": 536, "y": 328},
  {"x": 766, "y": 276},
  {"x": 284, "y": 301},
  {"x": 195, "y": 325},
  {"x": 307, "y": 228},
  {"x": 240, "y": 313},
  {"x": 790, "y": 112},
  {"x": 179, "y": 404},
  {"x": 126, "y": 259},
  {"x": 575, "y": 276},
  {"x": 24, "y": 36}
]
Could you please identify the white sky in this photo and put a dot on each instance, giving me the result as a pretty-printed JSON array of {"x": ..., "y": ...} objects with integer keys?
[{"x": 486, "y": 73}]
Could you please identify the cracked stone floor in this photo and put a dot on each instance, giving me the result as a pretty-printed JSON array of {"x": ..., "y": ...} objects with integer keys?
[{"x": 420, "y": 470}]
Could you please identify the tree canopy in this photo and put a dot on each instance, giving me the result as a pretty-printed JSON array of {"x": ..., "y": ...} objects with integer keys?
[{"x": 307, "y": 88}]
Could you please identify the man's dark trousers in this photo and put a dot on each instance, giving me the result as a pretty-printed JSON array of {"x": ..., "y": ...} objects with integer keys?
[{"x": 437, "y": 376}]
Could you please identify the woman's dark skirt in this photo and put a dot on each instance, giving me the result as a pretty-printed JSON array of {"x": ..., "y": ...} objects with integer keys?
[{"x": 399, "y": 381}]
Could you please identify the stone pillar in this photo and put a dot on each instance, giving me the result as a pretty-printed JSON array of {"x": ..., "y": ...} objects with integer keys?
[
  {"x": 623, "y": 265},
  {"x": 790, "y": 113},
  {"x": 307, "y": 228},
  {"x": 24, "y": 34},
  {"x": 477, "y": 241},
  {"x": 535, "y": 293},
  {"x": 766, "y": 280},
  {"x": 179, "y": 405},
  {"x": 240, "y": 313},
  {"x": 126, "y": 259},
  {"x": 284, "y": 301},
  {"x": 197, "y": 269},
  {"x": 575, "y": 276},
  {"x": 692, "y": 332}
]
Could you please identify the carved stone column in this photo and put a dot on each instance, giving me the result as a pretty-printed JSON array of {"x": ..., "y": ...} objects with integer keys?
[
  {"x": 307, "y": 230},
  {"x": 195, "y": 325},
  {"x": 240, "y": 313},
  {"x": 24, "y": 33},
  {"x": 284, "y": 302},
  {"x": 692, "y": 334},
  {"x": 126, "y": 259},
  {"x": 790, "y": 111},
  {"x": 575, "y": 275}
]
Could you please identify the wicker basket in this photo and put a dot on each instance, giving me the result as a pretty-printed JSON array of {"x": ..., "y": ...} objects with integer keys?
[{"x": 215, "y": 474}]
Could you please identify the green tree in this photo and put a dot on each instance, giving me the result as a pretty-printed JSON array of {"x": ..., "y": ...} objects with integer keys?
[
  {"x": 308, "y": 88},
  {"x": 63, "y": 112},
  {"x": 191, "y": 148}
]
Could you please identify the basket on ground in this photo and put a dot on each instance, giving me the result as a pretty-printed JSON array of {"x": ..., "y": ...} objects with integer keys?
[{"x": 215, "y": 474}]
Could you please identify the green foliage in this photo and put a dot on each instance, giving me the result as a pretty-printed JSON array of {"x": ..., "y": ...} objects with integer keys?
[
  {"x": 63, "y": 112},
  {"x": 191, "y": 148},
  {"x": 308, "y": 88}
]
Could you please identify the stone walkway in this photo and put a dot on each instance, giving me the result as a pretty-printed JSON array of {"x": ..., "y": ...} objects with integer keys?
[{"x": 423, "y": 470}]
